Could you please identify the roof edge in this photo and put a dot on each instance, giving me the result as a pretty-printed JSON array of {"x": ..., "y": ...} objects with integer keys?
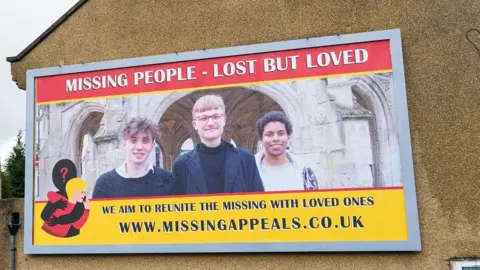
[{"x": 46, "y": 33}]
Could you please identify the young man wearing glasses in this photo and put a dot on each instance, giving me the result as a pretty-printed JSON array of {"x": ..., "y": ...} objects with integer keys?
[{"x": 214, "y": 166}]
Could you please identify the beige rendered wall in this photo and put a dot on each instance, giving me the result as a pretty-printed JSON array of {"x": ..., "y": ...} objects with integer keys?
[{"x": 443, "y": 87}]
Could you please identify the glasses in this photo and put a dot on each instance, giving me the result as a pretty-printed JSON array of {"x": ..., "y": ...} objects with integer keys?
[{"x": 204, "y": 119}]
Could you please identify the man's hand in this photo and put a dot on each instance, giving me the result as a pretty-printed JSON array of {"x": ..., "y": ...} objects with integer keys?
[
  {"x": 52, "y": 221},
  {"x": 60, "y": 204}
]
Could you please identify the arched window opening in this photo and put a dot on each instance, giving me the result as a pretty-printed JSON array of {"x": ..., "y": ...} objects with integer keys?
[
  {"x": 87, "y": 153},
  {"x": 158, "y": 156},
  {"x": 186, "y": 146},
  {"x": 86, "y": 157}
]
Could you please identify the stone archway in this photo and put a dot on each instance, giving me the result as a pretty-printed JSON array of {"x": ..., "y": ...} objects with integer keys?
[
  {"x": 316, "y": 127},
  {"x": 285, "y": 94},
  {"x": 87, "y": 131},
  {"x": 362, "y": 98},
  {"x": 84, "y": 120},
  {"x": 386, "y": 152},
  {"x": 243, "y": 108}
]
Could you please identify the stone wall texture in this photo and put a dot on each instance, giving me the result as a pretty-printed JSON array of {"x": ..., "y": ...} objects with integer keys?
[{"x": 345, "y": 144}]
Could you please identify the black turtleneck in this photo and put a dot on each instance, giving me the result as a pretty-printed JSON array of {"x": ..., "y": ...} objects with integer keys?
[{"x": 212, "y": 160}]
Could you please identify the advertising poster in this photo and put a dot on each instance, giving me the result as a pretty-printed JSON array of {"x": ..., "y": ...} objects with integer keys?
[{"x": 300, "y": 145}]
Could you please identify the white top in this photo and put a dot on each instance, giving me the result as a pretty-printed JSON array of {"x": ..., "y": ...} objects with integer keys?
[
  {"x": 122, "y": 171},
  {"x": 280, "y": 178}
]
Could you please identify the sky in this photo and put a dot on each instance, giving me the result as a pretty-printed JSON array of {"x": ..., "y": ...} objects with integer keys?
[{"x": 21, "y": 22}]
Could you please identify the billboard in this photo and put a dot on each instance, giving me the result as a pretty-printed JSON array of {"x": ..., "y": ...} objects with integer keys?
[{"x": 300, "y": 145}]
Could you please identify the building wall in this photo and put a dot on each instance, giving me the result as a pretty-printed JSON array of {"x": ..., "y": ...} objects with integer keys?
[{"x": 442, "y": 80}]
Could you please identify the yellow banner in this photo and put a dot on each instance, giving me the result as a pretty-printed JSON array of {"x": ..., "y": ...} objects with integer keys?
[{"x": 356, "y": 215}]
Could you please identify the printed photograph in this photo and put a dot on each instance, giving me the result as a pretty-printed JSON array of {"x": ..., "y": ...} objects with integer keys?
[{"x": 284, "y": 136}]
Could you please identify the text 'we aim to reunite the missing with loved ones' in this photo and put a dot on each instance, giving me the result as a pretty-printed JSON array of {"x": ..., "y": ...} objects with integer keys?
[{"x": 240, "y": 224}]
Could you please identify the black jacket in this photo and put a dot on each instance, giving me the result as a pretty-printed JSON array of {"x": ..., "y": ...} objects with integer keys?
[{"x": 241, "y": 173}]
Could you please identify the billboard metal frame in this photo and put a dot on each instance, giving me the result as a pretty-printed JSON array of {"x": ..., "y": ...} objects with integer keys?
[{"x": 402, "y": 125}]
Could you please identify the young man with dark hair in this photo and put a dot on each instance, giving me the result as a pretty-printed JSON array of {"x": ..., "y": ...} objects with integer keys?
[
  {"x": 214, "y": 166},
  {"x": 279, "y": 168},
  {"x": 136, "y": 177}
]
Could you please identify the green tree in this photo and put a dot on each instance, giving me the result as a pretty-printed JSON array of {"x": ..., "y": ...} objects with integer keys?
[
  {"x": 6, "y": 185},
  {"x": 14, "y": 173}
]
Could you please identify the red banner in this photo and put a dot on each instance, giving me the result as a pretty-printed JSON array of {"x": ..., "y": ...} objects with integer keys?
[{"x": 217, "y": 72}]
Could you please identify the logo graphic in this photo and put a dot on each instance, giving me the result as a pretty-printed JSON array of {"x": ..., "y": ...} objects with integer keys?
[{"x": 67, "y": 208}]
